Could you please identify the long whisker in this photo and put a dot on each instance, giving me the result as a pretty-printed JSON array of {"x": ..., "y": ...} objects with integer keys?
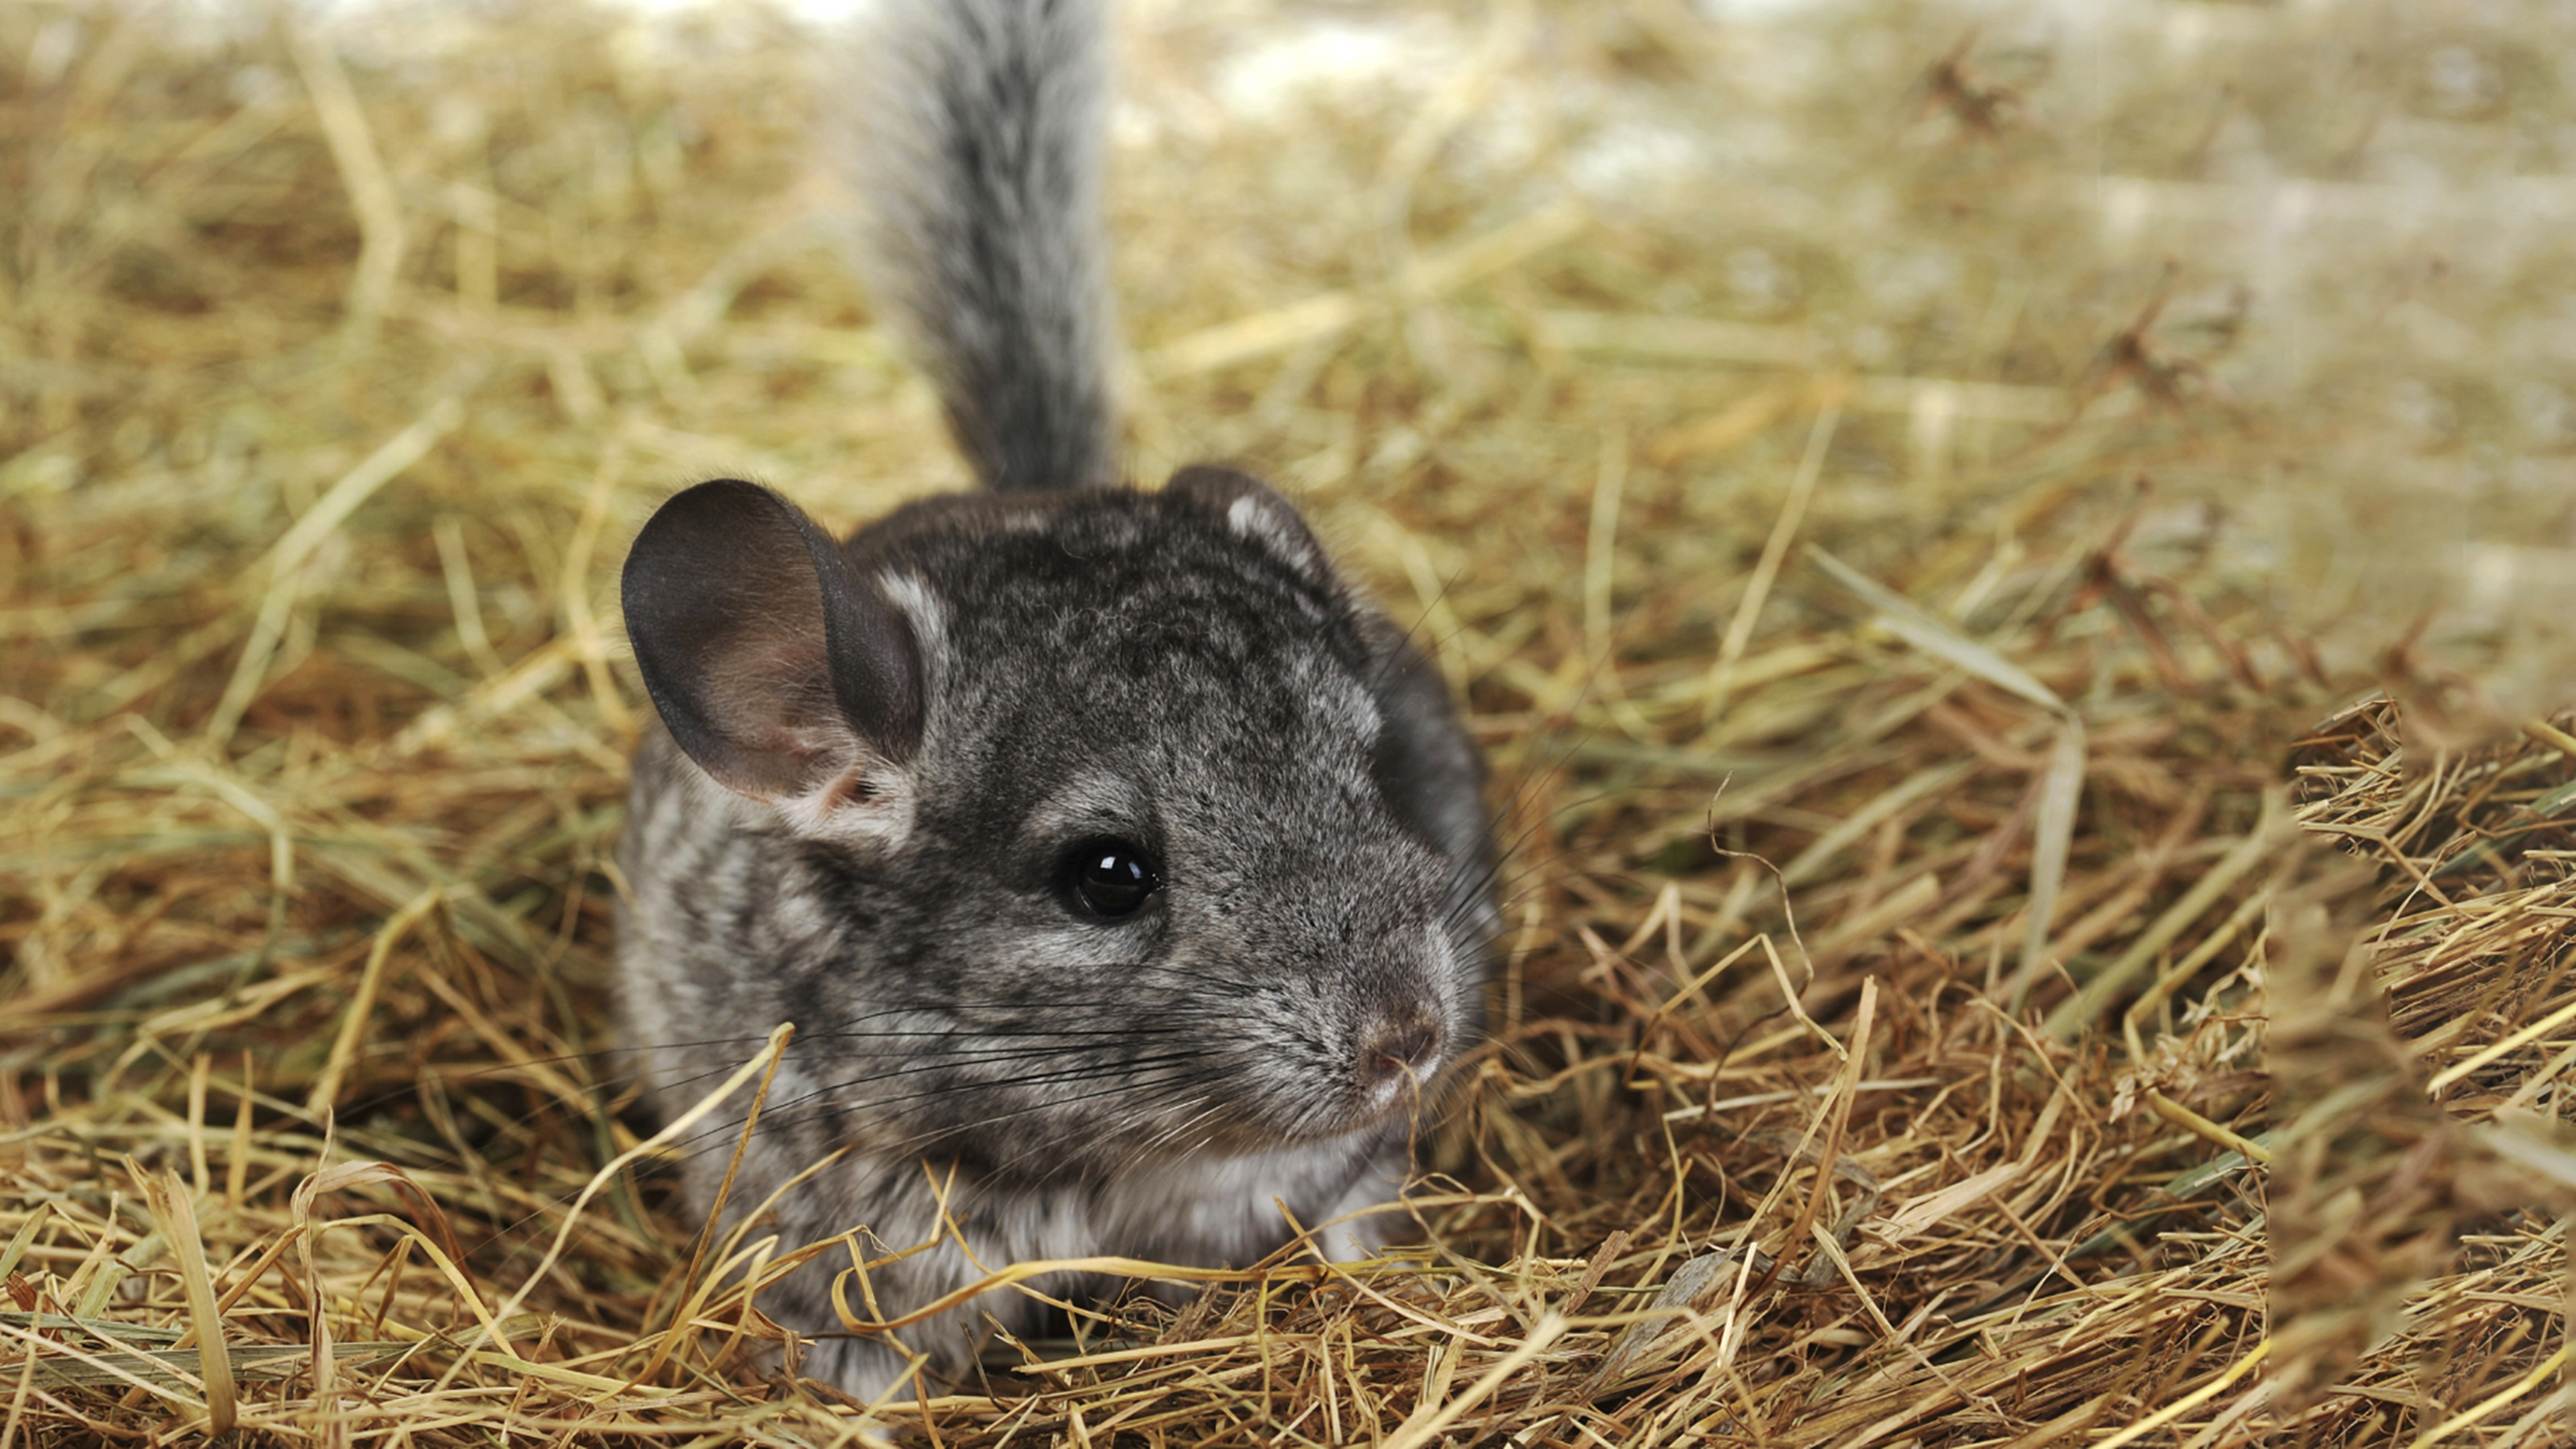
[
  {"x": 784, "y": 1113},
  {"x": 996, "y": 1119}
]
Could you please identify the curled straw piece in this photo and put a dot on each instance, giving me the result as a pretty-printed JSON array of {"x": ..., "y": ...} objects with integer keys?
[{"x": 672, "y": 1131}]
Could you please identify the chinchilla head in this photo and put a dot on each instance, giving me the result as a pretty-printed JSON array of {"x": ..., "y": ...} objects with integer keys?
[{"x": 1104, "y": 822}]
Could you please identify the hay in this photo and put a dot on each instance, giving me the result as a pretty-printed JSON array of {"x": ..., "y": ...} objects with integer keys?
[{"x": 1867, "y": 572}]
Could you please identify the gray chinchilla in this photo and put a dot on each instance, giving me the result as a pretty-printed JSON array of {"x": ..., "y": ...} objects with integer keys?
[{"x": 1125, "y": 875}]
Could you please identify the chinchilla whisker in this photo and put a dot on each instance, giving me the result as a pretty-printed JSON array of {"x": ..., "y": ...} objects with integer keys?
[
  {"x": 1203, "y": 976},
  {"x": 1421, "y": 616},
  {"x": 1179, "y": 1097},
  {"x": 1492, "y": 880},
  {"x": 945, "y": 1030},
  {"x": 781, "y": 1112},
  {"x": 1556, "y": 761},
  {"x": 1519, "y": 1055},
  {"x": 1043, "y": 1079},
  {"x": 844, "y": 1063},
  {"x": 989, "y": 1057},
  {"x": 682, "y": 1084},
  {"x": 1532, "y": 828},
  {"x": 931, "y": 1136},
  {"x": 963, "y": 1026},
  {"x": 979, "y": 1030},
  {"x": 1054, "y": 1001},
  {"x": 949, "y": 1015},
  {"x": 1164, "y": 1138},
  {"x": 999, "y": 1057},
  {"x": 1484, "y": 873},
  {"x": 594, "y": 1056},
  {"x": 922, "y": 1139}
]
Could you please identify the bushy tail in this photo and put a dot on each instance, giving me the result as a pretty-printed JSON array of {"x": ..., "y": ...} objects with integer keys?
[{"x": 974, "y": 139}]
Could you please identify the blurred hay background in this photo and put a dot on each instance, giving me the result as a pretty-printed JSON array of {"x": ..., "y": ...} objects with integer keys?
[{"x": 1900, "y": 485}]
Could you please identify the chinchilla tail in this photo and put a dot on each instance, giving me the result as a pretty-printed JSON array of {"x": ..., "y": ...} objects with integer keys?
[{"x": 971, "y": 135}]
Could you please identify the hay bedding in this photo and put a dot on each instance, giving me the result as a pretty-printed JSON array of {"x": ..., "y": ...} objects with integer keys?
[{"x": 1893, "y": 733}]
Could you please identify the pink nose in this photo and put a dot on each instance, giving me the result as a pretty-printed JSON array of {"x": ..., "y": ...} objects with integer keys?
[{"x": 1395, "y": 1053}]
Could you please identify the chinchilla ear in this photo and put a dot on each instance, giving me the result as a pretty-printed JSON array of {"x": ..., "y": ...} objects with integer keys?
[
  {"x": 775, "y": 665},
  {"x": 1255, "y": 510}
]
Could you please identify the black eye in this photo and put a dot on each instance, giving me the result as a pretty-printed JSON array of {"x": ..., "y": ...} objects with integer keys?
[{"x": 1108, "y": 878}]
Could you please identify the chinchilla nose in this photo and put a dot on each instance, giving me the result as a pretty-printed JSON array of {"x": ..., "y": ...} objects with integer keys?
[{"x": 1394, "y": 1054}]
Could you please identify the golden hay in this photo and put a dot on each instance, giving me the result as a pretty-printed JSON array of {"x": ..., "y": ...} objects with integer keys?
[{"x": 1937, "y": 1010}]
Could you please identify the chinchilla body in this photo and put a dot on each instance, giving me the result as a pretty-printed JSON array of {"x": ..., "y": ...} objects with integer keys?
[{"x": 1124, "y": 875}]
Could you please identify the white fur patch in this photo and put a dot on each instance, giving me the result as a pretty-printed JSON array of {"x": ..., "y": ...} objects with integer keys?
[
  {"x": 1256, "y": 520},
  {"x": 929, "y": 620},
  {"x": 1349, "y": 708},
  {"x": 868, "y": 804}
]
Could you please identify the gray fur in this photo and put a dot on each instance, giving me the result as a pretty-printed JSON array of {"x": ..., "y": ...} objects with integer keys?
[
  {"x": 914, "y": 727},
  {"x": 971, "y": 133}
]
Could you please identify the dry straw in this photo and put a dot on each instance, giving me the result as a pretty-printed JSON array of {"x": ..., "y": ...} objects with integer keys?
[{"x": 1955, "y": 993}]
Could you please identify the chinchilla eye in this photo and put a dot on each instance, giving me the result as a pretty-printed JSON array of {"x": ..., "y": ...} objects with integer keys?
[{"x": 1108, "y": 878}]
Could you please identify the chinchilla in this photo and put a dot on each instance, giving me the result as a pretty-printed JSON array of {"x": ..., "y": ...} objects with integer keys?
[{"x": 1124, "y": 873}]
